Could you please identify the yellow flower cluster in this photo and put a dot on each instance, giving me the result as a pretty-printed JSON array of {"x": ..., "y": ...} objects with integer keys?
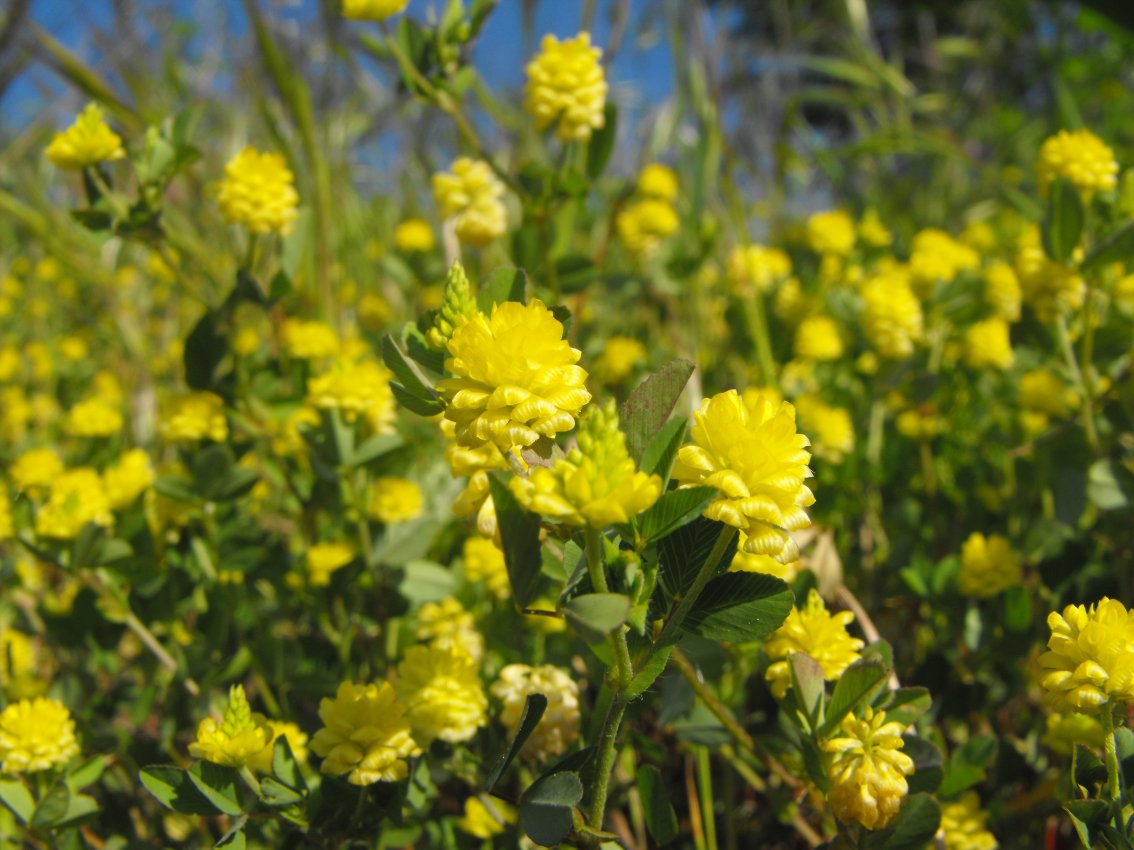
[
  {"x": 747, "y": 562},
  {"x": 241, "y": 735},
  {"x": 938, "y": 257},
  {"x": 194, "y": 416},
  {"x": 446, "y": 624},
  {"x": 365, "y": 734},
  {"x": 558, "y": 729},
  {"x": 443, "y": 694},
  {"x": 618, "y": 359},
  {"x": 831, "y": 232},
  {"x": 657, "y": 181},
  {"x": 892, "y": 315},
  {"x": 1090, "y": 659},
  {"x": 1081, "y": 157},
  {"x": 87, "y": 142},
  {"x": 18, "y": 663},
  {"x": 596, "y": 484},
  {"x": 758, "y": 462},
  {"x": 757, "y": 267},
  {"x": 812, "y": 630},
  {"x": 323, "y": 559},
  {"x": 644, "y": 224},
  {"x": 36, "y": 734},
  {"x": 128, "y": 479},
  {"x": 472, "y": 196},
  {"x": 93, "y": 418},
  {"x": 989, "y": 566},
  {"x": 484, "y": 562},
  {"x": 830, "y": 427},
  {"x": 1048, "y": 287},
  {"x": 414, "y": 235},
  {"x": 372, "y": 10},
  {"x": 817, "y": 338},
  {"x": 309, "y": 340},
  {"x": 36, "y": 469},
  {"x": 258, "y": 191},
  {"x": 516, "y": 377},
  {"x": 988, "y": 344},
  {"x": 356, "y": 388},
  {"x": 77, "y": 497},
  {"x": 482, "y": 822},
  {"x": 394, "y": 499},
  {"x": 962, "y": 824},
  {"x": 1002, "y": 291},
  {"x": 868, "y": 770},
  {"x": 567, "y": 87},
  {"x": 1043, "y": 396}
]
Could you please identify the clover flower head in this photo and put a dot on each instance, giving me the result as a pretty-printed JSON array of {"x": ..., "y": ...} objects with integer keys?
[
  {"x": 372, "y": 10},
  {"x": 483, "y": 822},
  {"x": 831, "y": 232},
  {"x": 816, "y": 632},
  {"x": 1002, "y": 291},
  {"x": 365, "y": 734},
  {"x": 194, "y": 416},
  {"x": 356, "y": 387},
  {"x": 443, "y": 693},
  {"x": 484, "y": 562},
  {"x": 472, "y": 196},
  {"x": 394, "y": 499},
  {"x": 1081, "y": 157},
  {"x": 93, "y": 418},
  {"x": 817, "y": 338},
  {"x": 457, "y": 304},
  {"x": 1048, "y": 287},
  {"x": 988, "y": 345},
  {"x": 892, "y": 315},
  {"x": 830, "y": 427},
  {"x": 868, "y": 770},
  {"x": 567, "y": 87},
  {"x": 324, "y": 559},
  {"x": 1090, "y": 659},
  {"x": 757, "y": 267},
  {"x": 989, "y": 566},
  {"x": 127, "y": 479},
  {"x": 645, "y": 224},
  {"x": 87, "y": 142},
  {"x": 77, "y": 497},
  {"x": 36, "y": 469},
  {"x": 658, "y": 181},
  {"x": 36, "y": 734},
  {"x": 309, "y": 340},
  {"x": 558, "y": 729},
  {"x": 618, "y": 358},
  {"x": 241, "y": 734},
  {"x": 447, "y": 624},
  {"x": 258, "y": 191},
  {"x": 414, "y": 235}
]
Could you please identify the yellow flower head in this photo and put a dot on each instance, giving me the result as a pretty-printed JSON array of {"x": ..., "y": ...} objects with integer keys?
[
  {"x": 868, "y": 770},
  {"x": 93, "y": 418},
  {"x": 516, "y": 377},
  {"x": 365, "y": 734},
  {"x": 558, "y": 729},
  {"x": 596, "y": 484},
  {"x": 658, "y": 181},
  {"x": 395, "y": 499},
  {"x": 644, "y": 224},
  {"x": 126, "y": 480},
  {"x": 757, "y": 267},
  {"x": 988, "y": 566},
  {"x": 36, "y": 734},
  {"x": 261, "y": 762},
  {"x": 482, "y": 822},
  {"x": 356, "y": 387},
  {"x": 817, "y": 338},
  {"x": 309, "y": 340},
  {"x": 485, "y": 562},
  {"x": 194, "y": 416},
  {"x": 830, "y": 427},
  {"x": 1063, "y": 732},
  {"x": 1002, "y": 291},
  {"x": 323, "y": 559},
  {"x": 447, "y": 624},
  {"x": 567, "y": 87},
  {"x": 962, "y": 822},
  {"x": 36, "y": 469},
  {"x": 831, "y": 232},
  {"x": 747, "y": 562},
  {"x": 77, "y": 497},
  {"x": 618, "y": 358},
  {"x": 21, "y": 665},
  {"x": 758, "y": 462},
  {"x": 414, "y": 235},
  {"x": 937, "y": 256},
  {"x": 443, "y": 693},
  {"x": 258, "y": 191},
  {"x": 1090, "y": 659},
  {"x": 1048, "y": 287},
  {"x": 872, "y": 231},
  {"x": 988, "y": 345},
  {"x": 1081, "y": 157},
  {"x": 472, "y": 196},
  {"x": 241, "y": 734},
  {"x": 815, "y": 631},
  {"x": 372, "y": 10},
  {"x": 1042, "y": 391},
  {"x": 87, "y": 142},
  {"x": 892, "y": 315}
]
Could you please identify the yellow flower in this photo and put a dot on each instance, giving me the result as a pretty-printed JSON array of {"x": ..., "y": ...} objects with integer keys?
[
  {"x": 516, "y": 377},
  {"x": 73, "y": 349},
  {"x": 126, "y": 480},
  {"x": 240, "y": 736},
  {"x": 566, "y": 86},
  {"x": 747, "y": 562},
  {"x": 365, "y": 734},
  {"x": 261, "y": 762},
  {"x": 1081, "y": 157},
  {"x": 814, "y": 631},
  {"x": 457, "y": 304},
  {"x": 480, "y": 821},
  {"x": 20, "y": 665},
  {"x": 831, "y": 427},
  {"x": 558, "y": 729},
  {"x": 36, "y": 734},
  {"x": 988, "y": 344},
  {"x": 194, "y": 416},
  {"x": 447, "y": 624},
  {"x": 7, "y": 528},
  {"x": 962, "y": 823},
  {"x": 1042, "y": 391},
  {"x": 831, "y": 232},
  {"x": 1048, "y": 287},
  {"x": 258, "y": 191},
  {"x": 77, "y": 497},
  {"x": 919, "y": 423},
  {"x": 87, "y": 142},
  {"x": 618, "y": 358},
  {"x": 757, "y": 267},
  {"x": 372, "y": 10},
  {"x": 596, "y": 484},
  {"x": 1063, "y": 731},
  {"x": 414, "y": 235},
  {"x": 658, "y": 181},
  {"x": 937, "y": 256},
  {"x": 892, "y": 315},
  {"x": 472, "y": 196},
  {"x": 356, "y": 387},
  {"x": 394, "y": 499},
  {"x": 443, "y": 693},
  {"x": 871, "y": 230},
  {"x": 868, "y": 770},
  {"x": 485, "y": 562},
  {"x": 817, "y": 338},
  {"x": 374, "y": 311},
  {"x": 758, "y": 462},
  {"x": 1090, "y": 659},
  {"x": 323, "y": 559},
  {"x": 36, "y": 469},
  {"x": 988, "y": 566},
  {"x": 791, "y": 304},
  {"x": 644, "y": 224},
  {"x": 309, "y": 340},
  {"x": 1002, "y": 291},
  {"x": 93, "y": 418}
]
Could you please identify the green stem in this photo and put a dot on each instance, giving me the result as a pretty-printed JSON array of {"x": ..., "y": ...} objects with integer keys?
[
  {"x": 1110, "y": 754},
  {"x": 1086, "y": 369},
  {"x": 1077, "y": 374},
  {"x": 758, "y": 328},
  {"x": 705, "y": 783},
  {"x": 623, "y": 667},
  {"x": 607, "y": 746},
  {"x": 673, "y": 624}
]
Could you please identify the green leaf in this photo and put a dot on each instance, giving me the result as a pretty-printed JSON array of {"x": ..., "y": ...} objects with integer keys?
[
  {"x": 1103, "y": 488},
  {"x": 915, "y": 827},
  {"x": 415, "y": 404},
  {"x": 661, "y": 820},
  {"x": 427, "y": 581},
  {"x": 649, "y": 672},
  {"x": 681, "y": 554},
  {"x": 175, "y": 488},
  {"x": 506, "y": 283},
  {"x": 1086, "y": 817},
  {"x": 173, "y": 789},
  {"x": 907, "y": 705},
  {"x": 673, "y": 510},
  {"x": 17, "y": 799},
  {"x": 575, "y": 272},
  {"x": 740, "y": 607},
  {"x": 52, "y": 807},
  {"x": 407, "y": 376},
  {"x": 649, "y": 406},
  {"x": 601, "y": 145},
  {"x": 205, "y": 348},
  {"x": 547, "y": 807},
  {"x": 285, "y": 768},
  {"x": 928, "y": 763},
  {"x": 235, "y": 839},
  {"x": 519, "y": 532},
  {"x": 856, "y": 684},
  {"x": 534, "y": 707},
  {"x": 432, "y": 360},
  {"x": 1063, "y": 223},
  {"x": 968, "y": 765},
  {"x": 278, "y": 795},
  {"x": 86, "y": 773},
  {"x": 218, "y": 784},
  {"x": 596, "y": 615},
  {"x": 375, "y": 447},
  {"x": 1116, "y": 248},
  {"x": 661, "y": 451},
  {"x": 807, "y": 682}
]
